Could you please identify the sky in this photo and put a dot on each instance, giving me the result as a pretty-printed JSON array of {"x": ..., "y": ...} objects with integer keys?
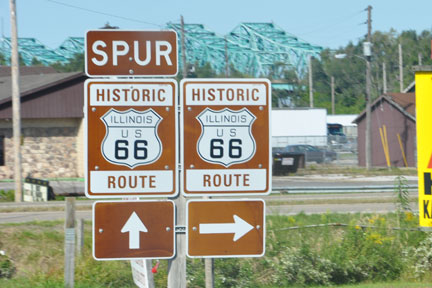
[{"x": 327, "y": 23}]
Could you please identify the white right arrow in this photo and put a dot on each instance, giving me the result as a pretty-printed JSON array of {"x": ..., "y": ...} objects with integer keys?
[
  {"x": 239, "y": 228},
  {"x": 134, "y": 226}
]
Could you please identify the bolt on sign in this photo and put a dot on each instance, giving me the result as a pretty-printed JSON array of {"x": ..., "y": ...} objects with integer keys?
[
  {"x": 131, "y": 132},
  {"x": 226, "y": 138},
  {"x": 423, "y": 80},
  {"x": 225, "y": 228},
  {"x": 133, "y": 229},
  {"x": 131, "y": 53}
]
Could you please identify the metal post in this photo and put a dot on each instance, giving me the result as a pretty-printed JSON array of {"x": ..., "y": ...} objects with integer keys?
[
  {"x": 209, "y": 272},
  {"x": 209, "y": 268},
  {"x": 16, "y": 114},
  {"x": 69, "y": 253},
  {"x": 311, "y": 100},
  {"x": 177, "y": 266}
]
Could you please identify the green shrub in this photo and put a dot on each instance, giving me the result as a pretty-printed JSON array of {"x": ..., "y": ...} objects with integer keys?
[
  {"x": 7, "y": 267},
  {"x": 7, "y": 196}
]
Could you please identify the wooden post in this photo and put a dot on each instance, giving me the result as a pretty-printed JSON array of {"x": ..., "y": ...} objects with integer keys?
[
  {"x": 311, "y": 98},
  {"x": 226, "y": 58},
  {"x": 16, "y": 105},
  {"x": 69, "y": 251},
  {"x": 401, "y": 69},
  {"x": 332, "y": 94},
  {"x": 80, "y": 236},
  {"x": 384, "y": 78}
]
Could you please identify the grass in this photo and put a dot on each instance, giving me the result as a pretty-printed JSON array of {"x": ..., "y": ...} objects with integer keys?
[
  {"x": 333, "y": 201},
  {"x": 323, "y": 169},
  {"x": 36, "y": 249}
]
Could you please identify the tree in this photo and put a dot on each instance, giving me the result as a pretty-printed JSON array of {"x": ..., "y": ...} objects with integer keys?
[
  {"x": 76, "y": 64},
  {"x": 2, "y": 59}
]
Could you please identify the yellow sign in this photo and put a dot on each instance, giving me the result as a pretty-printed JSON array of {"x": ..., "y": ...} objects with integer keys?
[{"x": 423, "y": 80}]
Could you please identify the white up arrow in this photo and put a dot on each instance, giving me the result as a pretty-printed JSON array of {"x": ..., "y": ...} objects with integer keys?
[
  {"x": 239, "y": 228},
  {"x": 134, "y": 226}
]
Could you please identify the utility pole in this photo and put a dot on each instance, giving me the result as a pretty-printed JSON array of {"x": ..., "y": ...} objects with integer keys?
[
  {"x": 177, "y": 266},
  {"x": 226, "y": 58},
  {"x": 368, "y": 136},
  {"x": 332, "y": 94},
  {"x": 311, "y": 104},
  {"x": 400, "y": 68},
  {"x": 16, "y": 110},
  {"x": 183, "y": 47},
  {"x": 420, "y": 58},
  {"x": 384, "y": 78}
]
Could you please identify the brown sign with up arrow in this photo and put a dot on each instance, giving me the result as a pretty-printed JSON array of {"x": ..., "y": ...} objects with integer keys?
[{"x": 133, "y": 229}]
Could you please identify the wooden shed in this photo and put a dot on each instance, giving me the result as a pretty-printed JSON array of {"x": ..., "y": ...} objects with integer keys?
[{"x": 393, "y": 126}]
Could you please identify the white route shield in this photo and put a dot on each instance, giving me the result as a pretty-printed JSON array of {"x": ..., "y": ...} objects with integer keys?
[
  {"x": 131, "y": 137},
  {"x": 226, "y": 137}
]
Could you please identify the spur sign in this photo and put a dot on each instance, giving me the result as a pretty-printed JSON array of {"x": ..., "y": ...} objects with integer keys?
[
  {"x": 131, "y": 53},
  {"x": 131, "y": 132},
  {"x": 226, "y": 139}
]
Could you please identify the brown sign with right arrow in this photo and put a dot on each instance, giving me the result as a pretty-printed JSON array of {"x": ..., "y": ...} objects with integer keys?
[{"x": 226, "y": 228}]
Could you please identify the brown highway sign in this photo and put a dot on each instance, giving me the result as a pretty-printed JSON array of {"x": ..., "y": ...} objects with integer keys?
[
  {"x": 131, "y": 53},
  {"x": 133, "y": 229},
  {"x": 131, "y": 134},
  {"x": 225, "y": 228},
  {"x": 226, "y": 136}
]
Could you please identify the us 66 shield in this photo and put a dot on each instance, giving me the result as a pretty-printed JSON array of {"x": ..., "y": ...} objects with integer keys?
[
  {"x": 131, "y": 132},
  {"x": 225, "y": 136}
]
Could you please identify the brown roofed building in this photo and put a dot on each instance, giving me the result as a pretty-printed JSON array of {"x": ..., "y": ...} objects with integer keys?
[
  {"x": 52, "y": 118},
  {"x": 396, "y": 113}
]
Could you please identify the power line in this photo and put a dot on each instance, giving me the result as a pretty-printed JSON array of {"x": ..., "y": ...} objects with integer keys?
[
  {"x": 341, "y": 20},
  {"x": 103, "y": 13}
]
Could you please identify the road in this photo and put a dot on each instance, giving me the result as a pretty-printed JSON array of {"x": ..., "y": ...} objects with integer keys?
[
  {"x": 62, "y": 187},
  {"x": 276, "y": 205},
  {"x": 18, "y": 217}
]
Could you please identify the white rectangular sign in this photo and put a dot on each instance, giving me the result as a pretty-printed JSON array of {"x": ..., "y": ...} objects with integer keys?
[
  {"x": 130, "y": 94},
  {"x": 131, "y": 181},
  {"x": 226, "y": 94},
  {"x": 226, "y": 180}
]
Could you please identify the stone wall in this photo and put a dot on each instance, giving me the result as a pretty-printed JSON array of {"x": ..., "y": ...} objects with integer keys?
[{"x": 49, "y": 149}]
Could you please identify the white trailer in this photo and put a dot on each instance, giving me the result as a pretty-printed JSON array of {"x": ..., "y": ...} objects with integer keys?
[{"x": 299, "y": 126}]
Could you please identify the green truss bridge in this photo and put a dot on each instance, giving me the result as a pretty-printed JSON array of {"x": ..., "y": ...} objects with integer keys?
[{"x": 257, "y": 49}]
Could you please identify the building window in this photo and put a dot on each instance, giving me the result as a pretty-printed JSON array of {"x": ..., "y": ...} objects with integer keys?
[{"x": 2, "y": 151}]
